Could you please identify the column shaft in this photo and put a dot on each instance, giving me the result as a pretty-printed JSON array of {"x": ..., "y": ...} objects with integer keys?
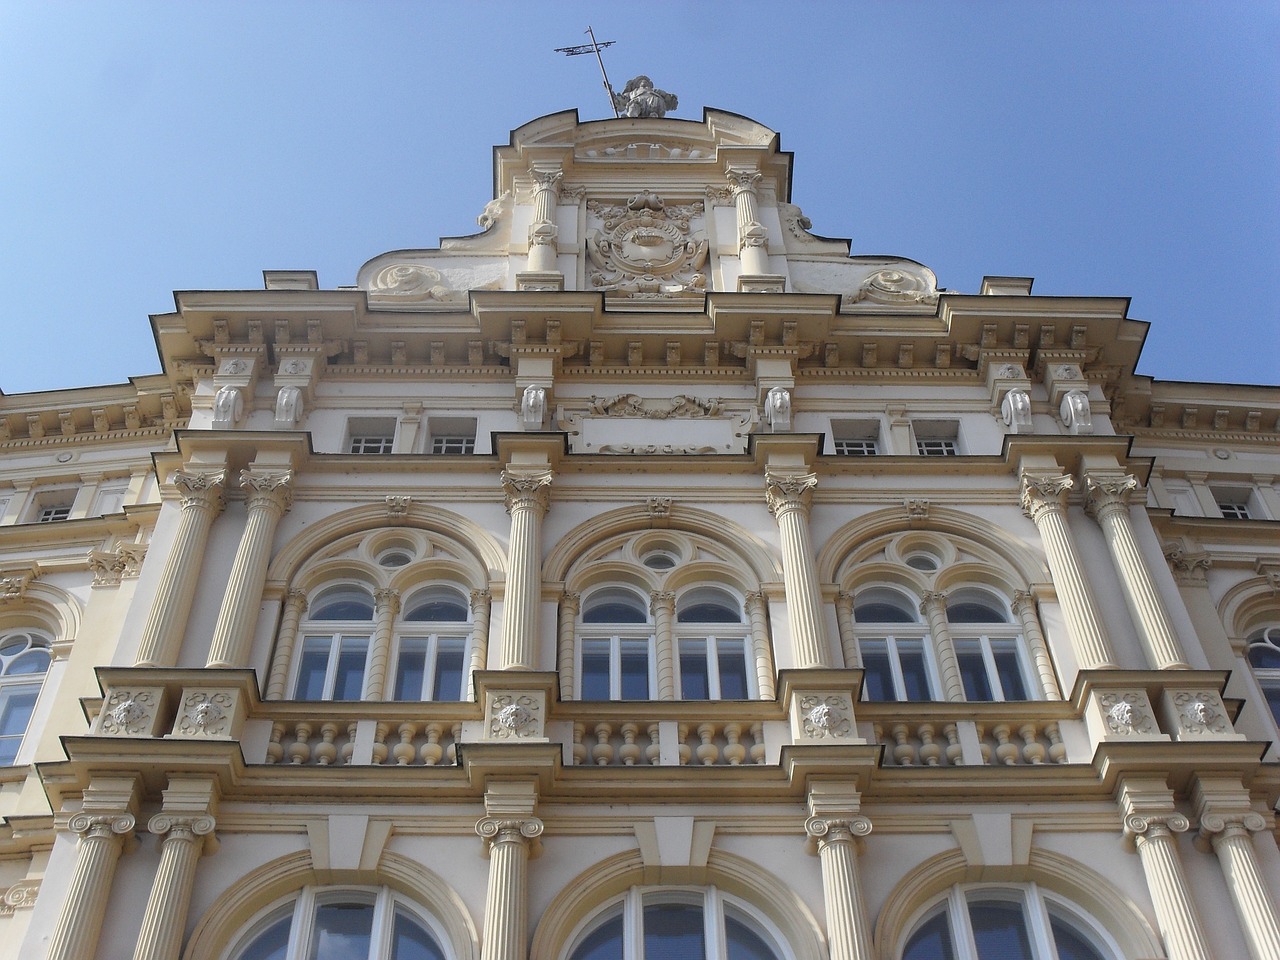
[
  {"x": 295, "y": 605},
  {"x": 567, "y": 644},
  {"x": 526, "y": 502},
  {"x": 1024, "y": 606},
  {"x": 268, "y": 498},
  {"x": 663, "y": 608},
  {"x": 481, "y": 605},
  {"x": 848, "y": 923},
  {"x": 506, "y": 907},
  {"x": 75, "y": 936},
  {"x": 848, "y": 632},
  {"x": 164, "y": 923},
  {"x": 162, "y": 635},
  {"x": 543, "y": 233},
  {"x": 1108, "y": 502},
  {"x": 1249, "y": 893},
  {"x": 787, "y": 500},
  {"x": 386, "y": 606},
  {"x": 752, "y": 236},
  {"x": 934, "y": 607},
  {"x": 1042, "y": 500},
  {"x": 1175, "y": 907},
  {"x": 757, "y": 604}
]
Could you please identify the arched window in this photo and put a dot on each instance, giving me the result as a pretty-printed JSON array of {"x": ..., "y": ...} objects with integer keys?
[
  {"x": 615, "y": 649},
  {"x": 335, "y": 646},
  {"x": 342, "y": 924},
  {"x": 432, "y": 645},
  {"x": 695, "y": 924},
  {"x": 24, "y": 660},
  {"x": 1005, "y": 923},
  {"x": 896, "y": 657},
  {"x": 713, "y": 643},
  {"x": 1264, "y": 657},
  {"x": 989, "y": 648}
]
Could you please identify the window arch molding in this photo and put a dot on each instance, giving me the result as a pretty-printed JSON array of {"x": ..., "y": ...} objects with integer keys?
[
  {"x": 1082, "y": 889},
  {"x": 43, "y": 607},
  {"x": 241, "y": 902},
  {"x": 584, "y": 897},
  {"x": 1246, "y": 607}
]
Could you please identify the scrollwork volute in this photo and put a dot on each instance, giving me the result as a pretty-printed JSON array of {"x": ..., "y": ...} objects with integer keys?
[
  {"x": 836, "y": 829},
  {"x": 102, "y": 826},
  {"x": 1142, "y": 826},
  {"x": 181, "y": 825},
  {"x": 522, "y": 830}
]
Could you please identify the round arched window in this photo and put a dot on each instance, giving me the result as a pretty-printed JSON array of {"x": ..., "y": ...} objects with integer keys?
[
  {"x": 431, "y": 645},
  {"x": 335, "y": 645},
  {"x": 24, "y": 660}
]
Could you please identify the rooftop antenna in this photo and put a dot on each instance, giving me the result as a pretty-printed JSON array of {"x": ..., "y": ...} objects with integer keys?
[{"x": 595, "y": 46}]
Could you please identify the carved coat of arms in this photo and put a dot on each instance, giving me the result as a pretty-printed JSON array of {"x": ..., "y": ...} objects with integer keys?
[{"x": 643, "y": 248}]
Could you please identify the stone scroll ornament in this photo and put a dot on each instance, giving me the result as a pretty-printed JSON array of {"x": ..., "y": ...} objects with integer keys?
[{"x": 644, "y": 248}]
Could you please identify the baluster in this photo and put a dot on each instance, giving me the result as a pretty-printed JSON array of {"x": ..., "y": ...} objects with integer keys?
[
  {"x": 1034, "y": 750},
  {"x": 955, "y": 752},
  {"x": 456, "y": 733},
  {"x": 579, "y": 748},
  {"x": 1057, "y": 749},
  {"x": 734, "y": 752},
  {"x": 1006, "y": 752},
  {"x": 653, "y": 752},
  {"x": 930, "y": 751},
  {"x": 431, "y": 751},
  {"x": 981, "y": 731},
  {"x": 708, "y": 752},
  {"x": 275, "y": 749},
  {"x": 630, "y": 750},
  {"x": 403, "y": 751},
  {"x": 877, "y": 731},
  {"x": 380, "y": 742},
  {"x": 326, "y": 751},
  {"x": 757, "y": 742},
  {"x": 300, "y": 749},
  {"x": 348, "y": 748},
  {"x": 602, "y": 752},
  {"x": 686, "y": 751},
  {"x": 904, "y": 754}
]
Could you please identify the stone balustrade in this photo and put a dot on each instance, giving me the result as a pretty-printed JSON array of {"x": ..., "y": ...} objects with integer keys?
[{"x": 633, "y": 743}]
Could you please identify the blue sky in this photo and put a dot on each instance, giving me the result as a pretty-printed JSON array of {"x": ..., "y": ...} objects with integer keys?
[{"x": 1114, "y": 149}]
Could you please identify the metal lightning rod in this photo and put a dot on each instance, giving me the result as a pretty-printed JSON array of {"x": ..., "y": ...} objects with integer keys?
[{"x": 595, "y": 47}]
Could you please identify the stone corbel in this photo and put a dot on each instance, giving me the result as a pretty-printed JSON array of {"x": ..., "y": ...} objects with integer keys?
[
  {"x": 235, "y": 378},
  {"x": 1010, "y": 392}
]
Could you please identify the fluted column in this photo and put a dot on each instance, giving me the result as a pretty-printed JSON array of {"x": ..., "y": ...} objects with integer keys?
[
  {"x": 267, "y": 497},
  {"x": 788, "y": 497},
  {"x": 1108, "y": 503},
  {"x": 527, "y": 500},
  {"x": 1231, "y": 838},
  {"x": 386, "y": 604},
  {"x": 102, "y": 838},
  {"x": 543, "y": 232},
  {"x": 506, "y": 904},
  {"x": 753, "y": 238},
  {"x": 757, "y": 606},
  {"x": 481, "y": 605},
  {"x": 567, "y": 644},
  {"x": 1174, "y": 904},
  {"x": 1044, "y": 501},
  {"x": 166, "y": 918},
  {"x": 848, "y": 632},
  {"x": 848, "y": 923},
  {"x": 1024, "y": 606},
  {"x": 201, "y": 497},
  {"x": 663, "y": 607},
  {"x": 934, "y": 607},
  {"x": 295, "y": 605}
]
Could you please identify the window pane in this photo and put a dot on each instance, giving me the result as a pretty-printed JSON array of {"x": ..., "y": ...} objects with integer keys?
[
  {"x": 877, "y": 676},
  {"x": 595, "y": 670},
  {"x": 974, "y": 673},
  {"x": 411, "y": 668},
  {"x": 882, "y": 613},
  {"x": 673, "y": 931},
  {"x": 1272, "y": 690},
  {"x": 931, "y": 942},
  {"x": 603, "y": 943},
  {"x": 315, "y": 659},
  {"x": 915, "y": 676},
  {"x": 449, "y": 670},
  {"x": 635, "y": 670},
  {"x": 449, "y": 611},
  {"x": 743, "y": 943},
  {"x": 709, "y": 613},
  {"x": 694, "y": 682},
  {"x": 33, "y": 661},
  {"x": 15, "y": 714},
  {"x": 349, "y": 681},
  {"x": 999, "y": 931},
  {"x": 1071, "y": 945},
  {"x": 343, "y": 931},
  {"x": 272, "y": 943},
  {"x": 624, "y": 610},
  {"x": 1010, "y": 672},
  {"x": 1262, "y": 656},
  {"x": 733, "y": 671},
  {"x": 410, "y": 942},
  {"x": 345, "y": 610},
  {"x": 974, "y": 612}
]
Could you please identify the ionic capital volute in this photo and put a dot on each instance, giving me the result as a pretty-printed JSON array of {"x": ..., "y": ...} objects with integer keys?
[
  {"x": 195, "y": 828},
  {"x": 1143, "y": 826},
  {"x": 1216, "y": 827},
  {"x": 522, "y": 830},
  {"x": 102, "y": 826},
  {"x": 825, "y": 829}
]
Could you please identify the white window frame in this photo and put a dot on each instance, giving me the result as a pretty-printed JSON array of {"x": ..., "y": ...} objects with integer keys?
[
  {"x": 913, "y": 634},
  {"x": 990, "y": 637},
  {"x": 12, "y": 685},
  {"x": 371, "y": 436},
  {"x": 303, "y": 911},
  {"x": 451, "y": 436},
  {"x": 936, "y": 438},
  {"x": 1268, "y": 677},
  {"x": 349, "y": 631},
  {"x": 855, "y": 438},
  {"x": 1236, "y": 503},
  {"x": 711, "y": 641},
  {"x": 430, "y": 644},
  {"x": 53, "y": 513},
  {"x": 617, "y": 638}
]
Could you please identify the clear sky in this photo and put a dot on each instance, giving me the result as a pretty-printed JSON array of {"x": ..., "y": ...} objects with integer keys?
[{"x": 1105, "y": 148}]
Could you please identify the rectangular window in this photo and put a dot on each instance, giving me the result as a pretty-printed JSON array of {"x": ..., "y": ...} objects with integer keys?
[
  {"x": 615, "y": 668},
  {"x": 371, "y": 435},
  {"x": 17, "y": 703},
  {"x": 936, "y": 438},
  {"x": 1234, "y": 504},
  {"x": 331, "y": 668},
  {"x": 714, "y": 669},
  {"x": 895, "y": 669},
  {"x": 430, "y": 668},
  {"x": 451, "y": 435},
  {"x": 991, "y": 668},
  {"x": 856, "y": 438},
  {"x": 53, "y": 513}
]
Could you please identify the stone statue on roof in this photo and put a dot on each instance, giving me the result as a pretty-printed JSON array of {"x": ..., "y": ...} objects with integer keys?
[{"x": 639, "y": 98}]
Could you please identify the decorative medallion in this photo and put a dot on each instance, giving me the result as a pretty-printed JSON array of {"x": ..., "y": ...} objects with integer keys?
[{"x": 644, "y": 249}]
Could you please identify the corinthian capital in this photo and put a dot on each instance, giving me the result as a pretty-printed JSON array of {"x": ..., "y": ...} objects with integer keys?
[
  {"x": 387, "y": 598},
  {"x": 1107, "y": 493},
  {"x": 743, "y": 181},
  {"x": 788, "y": 491},
  {"x": 269, "y": 489},
  {"x": 525, "y": 490},
  {"x": 200, "y": 488},
  {"x": 1046, "y": 494},
  {"x": 546, "y": 179}
]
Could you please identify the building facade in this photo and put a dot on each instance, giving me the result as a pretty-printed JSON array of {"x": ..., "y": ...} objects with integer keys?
[{"x": 643, "y": 576}]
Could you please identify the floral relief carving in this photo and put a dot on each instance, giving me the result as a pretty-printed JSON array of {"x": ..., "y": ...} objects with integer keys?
[
  {"x": 826, "y": 716},
  {"x": 896, "y": 286},
  {"x": 109, "y": 567},
  {"x": 644, "y": 249},
  {"x": 515, "y": 716},
  {"x": 205, "y": 714},
  {"x": 1201, "y": 711},
  {"x": 412, "y": 282},
  {"x": 631, "y": 405},
  {"x": 1126, "y": 713},
  {"x": 129, "y": 713},
  {"x": 20, "y": 896}
]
